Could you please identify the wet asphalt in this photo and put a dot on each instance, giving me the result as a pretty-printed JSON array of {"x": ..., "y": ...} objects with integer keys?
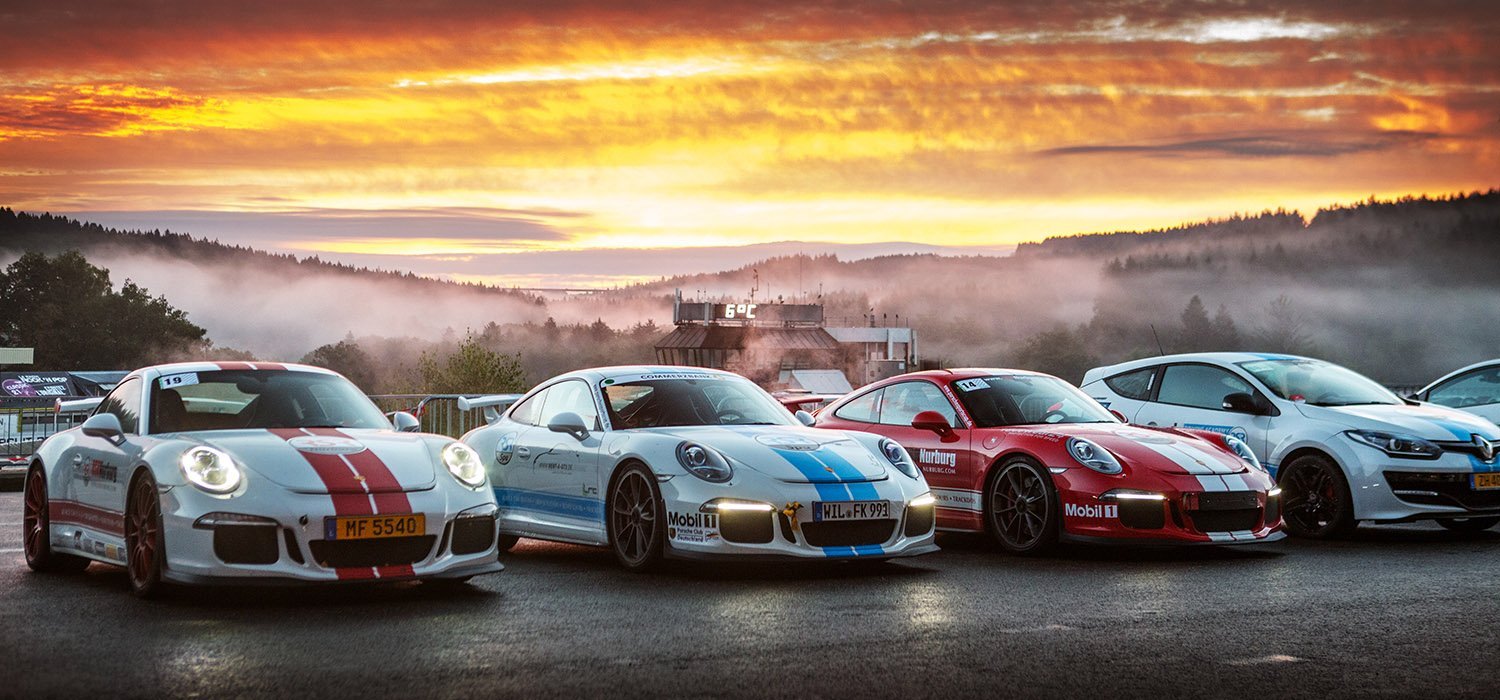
[{"x": 1393, "y": 611}]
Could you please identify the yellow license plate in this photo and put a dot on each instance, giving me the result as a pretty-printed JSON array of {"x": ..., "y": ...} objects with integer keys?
[
  {"x": 371, "y": 527},
  {"x": 1484, "y": 482}
]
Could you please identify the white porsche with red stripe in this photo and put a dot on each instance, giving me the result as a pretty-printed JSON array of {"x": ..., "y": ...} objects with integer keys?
[{"x": 238, "y": 472}]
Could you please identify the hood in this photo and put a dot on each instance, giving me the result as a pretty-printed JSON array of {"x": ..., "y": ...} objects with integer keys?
[
  {"x": 787, "y": 453},
  {"x": 1166, "y": 452},
  {"x": 299, "y": 462},
  {"x": 1424, "y": 421}
]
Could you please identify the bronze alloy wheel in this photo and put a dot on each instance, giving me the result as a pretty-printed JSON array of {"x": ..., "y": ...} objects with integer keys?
[
  {"x": 35, "y": 534},
  {"x": 143, "y": 537}
]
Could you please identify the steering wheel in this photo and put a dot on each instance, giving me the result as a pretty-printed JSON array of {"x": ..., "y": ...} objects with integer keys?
[
  {"x": 729, "y": 417},
  {"x": 1056, "y": 416}
]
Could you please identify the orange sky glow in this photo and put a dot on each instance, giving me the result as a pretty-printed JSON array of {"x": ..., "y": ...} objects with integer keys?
[{"x": 587, "y": 125}]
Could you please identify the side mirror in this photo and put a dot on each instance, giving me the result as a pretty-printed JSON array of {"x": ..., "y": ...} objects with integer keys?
[
  {"x": 405, "y": 422},
  {"x": 1241, "y": 402},
  {"x": 570, "y": 423},
  {"x": 931, "y": 420},
  {"x": 805, "y": 418},
  {"x": 1118, "y": 415},
  {"x": 104, "y": 425}
]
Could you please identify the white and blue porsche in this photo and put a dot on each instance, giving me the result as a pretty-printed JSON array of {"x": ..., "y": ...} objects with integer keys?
[
  {"x": 236, "y": 472},
  {"x": 694, "y": 463},
  {"x": 1343, "y": 448}
]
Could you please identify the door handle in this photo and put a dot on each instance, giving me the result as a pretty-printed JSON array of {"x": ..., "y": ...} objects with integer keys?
[
  {"x": 523, "y": 452},
  {"x": 1152, "y": 424},
  {"x": 77, "y": 460}
]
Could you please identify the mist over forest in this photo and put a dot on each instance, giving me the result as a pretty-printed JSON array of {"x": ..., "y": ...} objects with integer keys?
[{"x": 1401, "y": 290}]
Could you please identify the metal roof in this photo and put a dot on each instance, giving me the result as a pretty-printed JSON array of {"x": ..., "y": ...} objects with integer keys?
[{"x": 743, "y": 337}]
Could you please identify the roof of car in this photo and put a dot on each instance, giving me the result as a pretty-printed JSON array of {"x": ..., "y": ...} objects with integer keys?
[
  {"x": 207, "y": 366},
  {"x": 1462, "y": 370},
  {"x": 1210, "y": 357},
  {"x": 632, "y": 370}
]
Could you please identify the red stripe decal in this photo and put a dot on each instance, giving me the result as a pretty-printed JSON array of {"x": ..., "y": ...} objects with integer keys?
[
  {"x": 348, "y": 494},
  {"x": 355, "y": 573},
  {"x": 235, "y": 366},
  {"x": 395, "y": 572},
  {"x": 267, "y": 366},
  {"x": 85, "y": 515},
  {"x": 389, "y": 495}
]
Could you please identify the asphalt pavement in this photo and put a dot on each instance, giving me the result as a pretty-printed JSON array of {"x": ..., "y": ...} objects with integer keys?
[{"x": 1394, "y": 611}]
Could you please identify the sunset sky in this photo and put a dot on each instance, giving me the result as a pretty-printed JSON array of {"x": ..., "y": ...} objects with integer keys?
[{"x": 448, "y": 136}]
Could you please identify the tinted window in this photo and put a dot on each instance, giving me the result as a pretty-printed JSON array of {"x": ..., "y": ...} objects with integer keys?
[
  {"x": 1200, "y": 386},
  {"x": 1477, "y": 388},
  {"x": 1319, "y": 383},
  {"x": 572, "y": 396},
  {"x": 237, "y": 399},
  {"x": 1133, "y": 385},
  {"x": 902, "y": 402},
  {"x": 125, "y": 403},
  {"x": 1027, "y": 399},
  {"x": 698, "y": 400},
  {"x": 863, "y": 409},
  {"x": 529, "y": 410}
]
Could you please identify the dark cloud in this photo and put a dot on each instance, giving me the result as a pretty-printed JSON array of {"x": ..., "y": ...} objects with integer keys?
[{"x": 1269, "y": 145}]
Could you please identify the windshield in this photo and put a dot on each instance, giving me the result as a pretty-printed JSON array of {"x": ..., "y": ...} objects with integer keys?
[
  {"x": 703, "y": 400},
  {"x": 1318, "y": 383},
  {"x": 1025, "y": 399},
  {"x": 237, "y": 399}
]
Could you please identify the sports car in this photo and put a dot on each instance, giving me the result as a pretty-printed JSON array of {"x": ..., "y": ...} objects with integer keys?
[
  {"x": 235, "y": 472},
  {"x": 1032, "y": 460},
  {"x": 1344, "y": 448},
  {"x": 1474, "y": 389},
  {"x": 683, "y": 462}
]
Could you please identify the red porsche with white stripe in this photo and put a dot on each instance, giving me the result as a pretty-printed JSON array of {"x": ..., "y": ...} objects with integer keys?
[
  {"x": 255, "y": 472},
  {"x": 1032, "y": 460}
]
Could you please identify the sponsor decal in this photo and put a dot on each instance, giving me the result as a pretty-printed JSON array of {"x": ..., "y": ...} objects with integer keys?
[
  {"x": 1091, "y": 510},
  {"x": 692, "y": 527},
  {"x": 938, "y": 461},
  {"x": 326, "y": 445},
  {"x": 1233, "y": 431},
  {"x": 1041, "y": 435},
  {"x": 971, "y": 384},
  {"x": 505, "y": 448},
  {"x": 96, "y": 469},
  {"x": 957, "y": 499},
  {"x": 590, "y": 490},
  {"x": 788, "y": 442},
  {"x": 61, "y": 512},
  {"x": 175, "y": 380},
  {"x": 553, "y": 463}
]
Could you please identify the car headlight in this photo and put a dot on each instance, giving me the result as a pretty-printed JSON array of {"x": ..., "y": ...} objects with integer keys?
[
  {"x": 463, "y": 463},
  {"x": 704, "y": 463},
  {"x": 210, "y": 469},
  {"x": 1244, "y": 452},
  {"x": 1091, "y": 455},
  {"x": 1397, "y": 445},
  {"x": 898, "y": 457}
]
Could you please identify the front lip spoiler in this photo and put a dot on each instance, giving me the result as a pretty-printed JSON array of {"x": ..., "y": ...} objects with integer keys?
[
  {"x": 1165, "y": 541},
  {"x": 673, "y": 553},
  {"x": 493, "y": 567}
]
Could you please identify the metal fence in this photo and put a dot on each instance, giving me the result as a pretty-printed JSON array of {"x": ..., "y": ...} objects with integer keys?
[
  {"x": 438, "y": 413},
  {"x": 26, "y": 421}
]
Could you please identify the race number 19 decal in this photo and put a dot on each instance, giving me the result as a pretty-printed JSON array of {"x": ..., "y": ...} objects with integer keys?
[{"x": 175, "y": 380}]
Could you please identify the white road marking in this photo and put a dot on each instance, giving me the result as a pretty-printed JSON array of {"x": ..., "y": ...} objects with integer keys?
[{"x": 1260, "y": 660}]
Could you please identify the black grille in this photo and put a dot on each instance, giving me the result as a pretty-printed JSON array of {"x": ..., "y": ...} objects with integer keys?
[
  {"x": 1225, "y": 520},
  {"x": 746, "y": 527},
  {"x": 388, "y": 551},
  {"x": 1273, "y": 509},
  {"x": 1228, "y": 500},
  {"x": 919, "y": 520},
  {"x": 786, "y": 528},
  {"x": 246, "y": 544},
  {"x": 1467, "y": 448},
  {"x": 1143, "y": 515},
  {"x": 1442, "y": 490},
  {"x": 473, "y": 535},
  {"x": 848, "y": 534},
  {"x": 292, "y": 549}
]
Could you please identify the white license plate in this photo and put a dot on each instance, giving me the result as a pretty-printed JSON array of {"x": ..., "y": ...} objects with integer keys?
[{"x": 851, "y": 510}]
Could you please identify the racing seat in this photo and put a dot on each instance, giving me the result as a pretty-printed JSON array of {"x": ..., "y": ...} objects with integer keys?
[{"x": 170, "y": 414}]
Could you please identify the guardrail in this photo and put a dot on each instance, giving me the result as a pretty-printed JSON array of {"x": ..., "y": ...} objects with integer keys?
[
  {"x": 26, "y": 421},
  {"x": 438, "y": 413}
]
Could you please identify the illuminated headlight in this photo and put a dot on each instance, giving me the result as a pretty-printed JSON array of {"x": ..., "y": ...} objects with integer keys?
[
  {"x": 1091, "y": 455},
  {"x": 704, "y": 463},
  {"x": 1244, "y": 452},
  {"x": 1396, "y": 445},
  {"x": 898, "y": 457},
  {"x": 923, "y": 500},
  {"x": 209, "y": 469},
  {"x": 463, "y": 463}
]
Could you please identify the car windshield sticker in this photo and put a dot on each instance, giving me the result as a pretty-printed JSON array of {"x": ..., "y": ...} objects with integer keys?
[
  {"x": 175, "y": 380},
  {"x": 970, "y": 384}
]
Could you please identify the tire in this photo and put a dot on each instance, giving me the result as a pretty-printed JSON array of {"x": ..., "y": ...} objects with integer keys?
[
  {"x": 636, "y": 523},
  {"x": 1316, "y": 502},
  {"x": 1021, "y": 508},
  {"x": 36, "y": 534},
  {"x": 144, "y": 546},
  {"x": 1469, "y": 525},
  {"x": 505, "y": 543}
]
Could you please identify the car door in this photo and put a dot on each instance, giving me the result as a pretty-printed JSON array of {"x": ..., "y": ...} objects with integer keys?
[
  {"x": 552, "y": 479},
  {"x": 1191, "y": 395},
  {"x": 98, "y": 467},
  {"x": 945, "y": 459},
  {"x": 514, "y": 479},
  {"x": 1477, "y": 392}
]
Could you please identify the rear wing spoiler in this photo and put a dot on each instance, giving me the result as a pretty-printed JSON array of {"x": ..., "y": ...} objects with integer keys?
[
  {"x": 77, "y": 405},
  {"x": 493, "y": 405}
]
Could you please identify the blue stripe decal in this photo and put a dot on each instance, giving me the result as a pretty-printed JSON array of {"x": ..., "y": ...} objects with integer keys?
[
  {"x": 1481, "y": 467},
  {"x": 859, "y": 489},
  {"x": 551, "y": 504},
  {"x": 864, "y": 550},
  {"x": 813, "y": 471},
  {"x": 1459, "y": 431},
  {"x": 838, "y": 551},
  {"x": 1270, "y": 356}
]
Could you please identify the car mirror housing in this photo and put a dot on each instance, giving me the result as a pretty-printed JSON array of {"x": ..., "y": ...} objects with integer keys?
[
  {"x": 805, "y": 418},
  {"x": 931, "y": 420},
  {"x": 1241, "y": 402},
  {"x": 106, "y": 426},
  {"x": 570, "y": 423},
  {"x": 405, "y": 422}
]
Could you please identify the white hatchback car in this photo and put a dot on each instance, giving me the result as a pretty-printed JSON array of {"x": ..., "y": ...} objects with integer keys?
[
  {"x": 1474, "y": 389},
  {"x": 1343, "y": 448}
]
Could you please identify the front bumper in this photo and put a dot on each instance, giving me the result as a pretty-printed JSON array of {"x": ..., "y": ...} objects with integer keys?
[
  {"x": 788, "y": 530},
  {"x": 291, "y": 547},
  {"x": 1230, "y": 509},
  {"x": 1390, "y": 490}
]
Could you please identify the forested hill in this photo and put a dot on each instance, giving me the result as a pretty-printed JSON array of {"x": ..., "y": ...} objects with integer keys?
[{"x": 23, "y": 232}]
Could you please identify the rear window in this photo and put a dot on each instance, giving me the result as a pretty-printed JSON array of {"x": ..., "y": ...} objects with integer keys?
[
  {"x": 862, "y": 409},
  {"x": 1133, "y": 385}
]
